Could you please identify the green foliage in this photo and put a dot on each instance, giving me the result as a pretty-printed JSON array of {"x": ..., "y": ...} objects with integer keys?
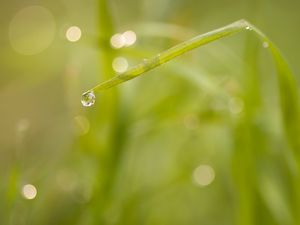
[
  {"x": 210, "y": 137},
  {"x": 289, "y": 103}
]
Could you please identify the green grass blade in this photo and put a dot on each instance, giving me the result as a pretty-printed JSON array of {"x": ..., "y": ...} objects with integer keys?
[
  {"x": 288, "y": 89},
  {"x": 171, "y": 53}
]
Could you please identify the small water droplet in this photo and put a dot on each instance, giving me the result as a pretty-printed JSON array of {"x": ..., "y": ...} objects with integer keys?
[
  {"x": 248, "y": 28},
  {"x": 265, "y": 44},
  {"x": 88, "y": 98}
]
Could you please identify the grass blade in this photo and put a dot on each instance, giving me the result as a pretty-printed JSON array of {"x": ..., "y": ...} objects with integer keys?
[{"x": 288, "y": 90}]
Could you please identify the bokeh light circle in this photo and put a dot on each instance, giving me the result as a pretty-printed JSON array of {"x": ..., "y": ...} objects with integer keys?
[
  {"x": 120, "y": 64},
  {"x": 117, "y": 41},
  {"x": 73, "y": 34},
  {"x": 29, "y": 191},
  {"x": 32, "y": 30},
  {"x": 204, "y": 175},
  {"x": 130, "y": 37}
]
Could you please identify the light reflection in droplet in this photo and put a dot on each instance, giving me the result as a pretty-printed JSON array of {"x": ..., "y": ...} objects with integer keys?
[
  {"x": 29, "y": 191},
  {"x": 117, "y": 41},
  {"x": 130, "y": 37},
  {"x": 88, "y": 99},
  {"x": 120, "y": 64},
  {"x": 73, "y": 34},
  {"x": 204, "y": 175}
]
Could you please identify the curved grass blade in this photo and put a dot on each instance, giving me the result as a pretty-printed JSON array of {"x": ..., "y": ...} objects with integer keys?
[
  {"x": 287, "y": 84},
  {"x": 171, "y": 53},
  {"x": 288, "y": 90}
]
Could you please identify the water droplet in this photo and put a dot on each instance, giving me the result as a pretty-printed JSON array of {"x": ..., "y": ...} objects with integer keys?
[
  {"x": 88, "y": 99},
  {"x": 248, "y": 28},
  {"x": 265, "y": 44}
]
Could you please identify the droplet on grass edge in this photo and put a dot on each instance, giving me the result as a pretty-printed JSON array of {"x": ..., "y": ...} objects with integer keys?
[
  {"x": 88, "y": 98},
  {"x": 265, "y": 44}
]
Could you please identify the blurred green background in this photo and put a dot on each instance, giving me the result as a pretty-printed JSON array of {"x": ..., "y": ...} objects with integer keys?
[{"x": 198, "y": 140}]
